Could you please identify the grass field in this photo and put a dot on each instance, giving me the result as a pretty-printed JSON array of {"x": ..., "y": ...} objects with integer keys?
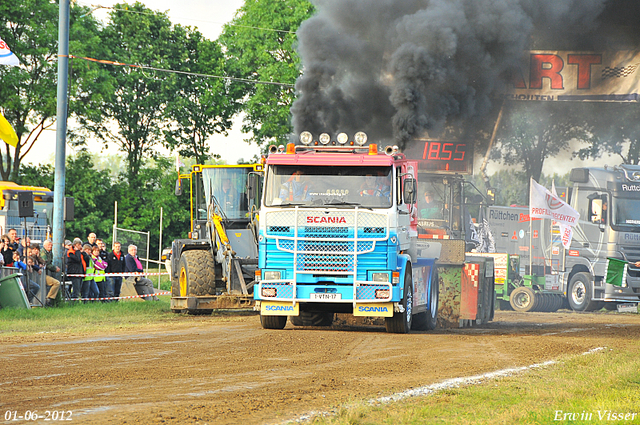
[
  {"x": 601, "y": 387},
  {"x": 90, "y": 317}
]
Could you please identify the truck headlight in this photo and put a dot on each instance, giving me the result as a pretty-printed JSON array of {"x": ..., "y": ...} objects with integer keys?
[
  {"x": 271, "y": 275},
  {"x": 380, "y": 277}
]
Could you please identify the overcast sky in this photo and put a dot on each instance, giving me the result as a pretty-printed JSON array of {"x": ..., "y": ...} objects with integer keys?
[{"x": 208, "y": 16}]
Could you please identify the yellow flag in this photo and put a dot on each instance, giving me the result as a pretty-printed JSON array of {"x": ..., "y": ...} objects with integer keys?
[{"x": 7, "y": 133}]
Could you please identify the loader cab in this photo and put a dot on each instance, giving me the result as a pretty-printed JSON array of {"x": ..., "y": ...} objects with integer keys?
[{"x": 223, "y": 190}]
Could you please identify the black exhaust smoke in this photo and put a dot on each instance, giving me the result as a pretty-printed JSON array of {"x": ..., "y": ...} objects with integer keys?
[{"x": 398, "y": 68}]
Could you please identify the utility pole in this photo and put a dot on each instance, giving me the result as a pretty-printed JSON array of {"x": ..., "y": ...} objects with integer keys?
[{"x": 61, "y": 133}]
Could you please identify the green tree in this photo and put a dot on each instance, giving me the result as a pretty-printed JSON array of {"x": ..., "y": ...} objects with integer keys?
[
  {"x": 133, "y": 101},
  {"x": 260, "y": 46},
  {"x": 533, "y": 132},
  {"x": 93, "y": 197},
  {"x": 28, "y": 93},
  {"x": 202, "y": 106},
  {"x": 617, "y": 128}
]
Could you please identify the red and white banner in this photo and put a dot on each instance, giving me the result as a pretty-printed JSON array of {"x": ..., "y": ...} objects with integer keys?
[
  {"x": 544, "y": 204},
  {"x": 609, "y": 75}
]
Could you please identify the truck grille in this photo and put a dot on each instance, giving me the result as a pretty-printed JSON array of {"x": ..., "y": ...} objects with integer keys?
[
  {"x": 631, "y": 253},
  {"x": 326, "y": 241}
]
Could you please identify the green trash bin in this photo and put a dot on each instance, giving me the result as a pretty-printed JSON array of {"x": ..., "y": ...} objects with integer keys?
[{"x": 12, "y": 293}]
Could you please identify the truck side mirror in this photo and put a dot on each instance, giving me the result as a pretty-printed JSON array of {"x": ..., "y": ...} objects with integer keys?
[
  {"x": 252, "y": 181},
  {"x": 178, "y": 189},
  {"x": 409, "y": 191}
]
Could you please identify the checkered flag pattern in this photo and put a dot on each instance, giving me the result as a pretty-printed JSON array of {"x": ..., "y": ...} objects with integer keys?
[
  {"x": 619, "y": 71},
  {"x": 472, "y": 270}
]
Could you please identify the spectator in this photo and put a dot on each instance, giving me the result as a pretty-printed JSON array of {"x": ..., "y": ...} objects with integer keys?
[
  {"x": 49, "y": 268},
  {"x": 91, "y": 239},
  {"x": 99, "y": 265},
  {"x": 76, "y": 264},
  {"x": 133, "y": 265},
  {"x": 31, "y": 287},
  {"x": 24, "y": 246},
  {"x": 5, "y": 250},
  {"x": 89, "y": 286},
  {"x": 115, "y": 264},
  {"x": 108, "y": 283},
  {"x": 13, "y": 239}
]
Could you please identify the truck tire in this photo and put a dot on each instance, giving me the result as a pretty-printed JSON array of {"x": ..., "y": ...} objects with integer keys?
[
  {"x": 400, "y": 323},
  {"x": 428, "y": 320},
  {"x": 579, "y": 292},
  {"x": 196, "y": 274},
  {"x": 523, "y": 299},
  {"x": 308, "y": 318},
  {"x": 273, "y": 322}
]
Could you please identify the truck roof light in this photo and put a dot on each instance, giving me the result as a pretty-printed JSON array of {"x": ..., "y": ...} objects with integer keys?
[
  {"x": 280, "y": 148},
  {"x": 360, "y": 138},
  {"x": 324, "y": 138},
  {"x": 373, "y": 149},
  {"x": 306, "y": 138},
  {"x": 342, "y": 138},
  {"x": 291, "y": 148}
]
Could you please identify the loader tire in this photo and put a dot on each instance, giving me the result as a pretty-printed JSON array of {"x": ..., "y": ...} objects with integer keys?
[{"x": 196, "y": 274}]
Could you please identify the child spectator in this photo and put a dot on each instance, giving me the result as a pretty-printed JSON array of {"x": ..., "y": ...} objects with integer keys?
[
  {"x": 99, "y": 265},
  {"x": 89, "y": 286}
]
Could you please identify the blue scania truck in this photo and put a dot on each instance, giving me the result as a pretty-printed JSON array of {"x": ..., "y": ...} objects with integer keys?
[{"x": 338, "y": 234}]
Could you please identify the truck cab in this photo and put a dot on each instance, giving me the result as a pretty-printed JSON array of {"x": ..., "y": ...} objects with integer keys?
[
  {"x": 337, "y": 234},
  {"x": 608, "y": 200}
]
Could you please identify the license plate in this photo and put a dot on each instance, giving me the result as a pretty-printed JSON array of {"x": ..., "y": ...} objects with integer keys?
[{"x": 325, "y": 296}]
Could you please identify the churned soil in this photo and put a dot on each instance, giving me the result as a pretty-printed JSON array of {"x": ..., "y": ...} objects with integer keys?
[{"x": 229, "y": 370}]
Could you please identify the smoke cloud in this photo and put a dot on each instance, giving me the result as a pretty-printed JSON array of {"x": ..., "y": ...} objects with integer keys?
[{"x": 398, "y": 68}]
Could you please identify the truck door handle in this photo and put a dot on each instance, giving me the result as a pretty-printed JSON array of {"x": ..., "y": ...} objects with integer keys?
[{"x": 585, "y": 245}]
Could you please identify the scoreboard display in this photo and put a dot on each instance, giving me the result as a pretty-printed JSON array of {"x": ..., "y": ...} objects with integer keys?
[{"x": 441, "y": 156}]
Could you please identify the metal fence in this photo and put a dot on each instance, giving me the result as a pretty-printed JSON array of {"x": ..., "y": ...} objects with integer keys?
[{"x": 128, "y": 237}]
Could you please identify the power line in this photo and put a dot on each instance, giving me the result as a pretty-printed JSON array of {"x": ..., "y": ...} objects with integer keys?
[
  {"x": 96, "y": 7},
  {"x": 173, "y": 71}
]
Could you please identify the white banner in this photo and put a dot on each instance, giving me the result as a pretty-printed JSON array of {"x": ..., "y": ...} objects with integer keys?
[
  {"x": 566, "y": 232},
  {"x": 544, "y": 204},
  {"x": 6, "y": 56}
]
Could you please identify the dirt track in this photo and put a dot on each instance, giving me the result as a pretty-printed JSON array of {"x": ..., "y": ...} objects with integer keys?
[{"x": 201, "y": 369}]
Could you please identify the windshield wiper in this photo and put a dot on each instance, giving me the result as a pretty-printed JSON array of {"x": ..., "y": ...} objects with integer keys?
[
  {"x": 290, "y": 204},
  {"x": 339, "y": 202}
]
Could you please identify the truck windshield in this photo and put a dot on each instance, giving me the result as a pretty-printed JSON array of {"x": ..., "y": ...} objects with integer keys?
[
  {"x": 626, "y": 212},
  {"x": 335, "y": 186},
  {"x": 228, "y": 186}
]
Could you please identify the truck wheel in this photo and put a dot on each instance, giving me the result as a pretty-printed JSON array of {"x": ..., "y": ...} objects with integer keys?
[
  {"x": 428, "y": 320},
  {"x": 523, "y": 299},
  {"x": 579, "y": 292},
  {"x": 273, "y": 322},
  {"x": 400, "y": 323},
  {"x": 196, "y": 276},
  {"x": 307, "y": 318}
]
